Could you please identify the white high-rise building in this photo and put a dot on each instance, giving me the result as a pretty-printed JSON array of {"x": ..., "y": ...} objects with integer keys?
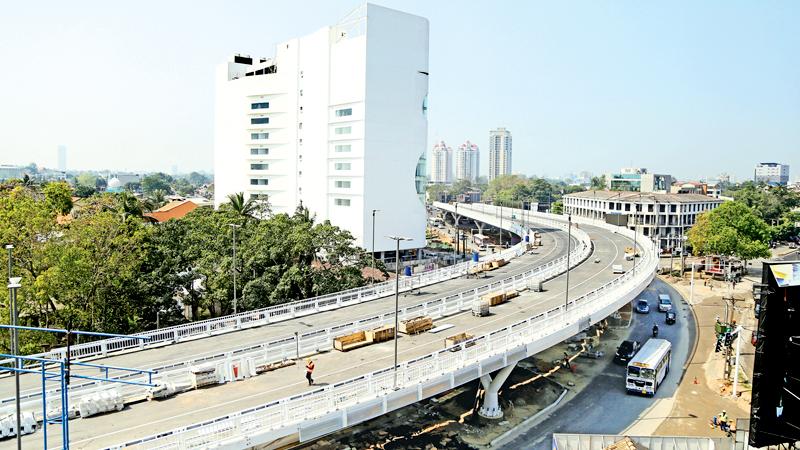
[
  {"x": 499, "y": 153},
  {"x": 442, "y": 163},
  {"x": 772, "y": 173},
  {"x": 467, "y": 162},
  {"x": 335, "y": 121}
]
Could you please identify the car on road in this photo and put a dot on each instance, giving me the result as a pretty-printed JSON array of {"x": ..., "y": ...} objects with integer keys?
[
  {"x": 617, "y": 268},
  {"x": 671, "y": 317},
  {"x": 664, "y": 303},
  {"x": 642, "y": 307},
  {"x": 626, "y": 351}
]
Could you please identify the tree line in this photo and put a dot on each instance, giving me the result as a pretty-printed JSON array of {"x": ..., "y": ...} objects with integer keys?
[{"x": 97, "y": 265}]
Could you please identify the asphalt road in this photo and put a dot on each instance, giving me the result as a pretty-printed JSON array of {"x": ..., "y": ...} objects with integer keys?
[{"x": 604, "y": 407}]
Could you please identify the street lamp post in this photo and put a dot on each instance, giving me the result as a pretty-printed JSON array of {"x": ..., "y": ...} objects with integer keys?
[
  {"x": 13, "y": 285},
  {"x": 235, "y": 300},
  {"x": 372, "y": 278},
  {"x": 397, "y": 298},
  {"x": 569, "y": 244}
]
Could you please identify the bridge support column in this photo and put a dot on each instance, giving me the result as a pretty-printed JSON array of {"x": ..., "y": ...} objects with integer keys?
[
  {"x": 480, "y": 226},
  {"x": 490, "y": 408}
]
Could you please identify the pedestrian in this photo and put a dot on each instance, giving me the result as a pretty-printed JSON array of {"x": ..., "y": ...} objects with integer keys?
[
  {"x": 723, "y": 420},
  {"x": 309, "y": 371}
]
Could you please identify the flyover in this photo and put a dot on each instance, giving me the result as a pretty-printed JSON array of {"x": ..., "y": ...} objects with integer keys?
[
  {"x": 276, "y": 407},
  {"x": 441, "y": 300}
]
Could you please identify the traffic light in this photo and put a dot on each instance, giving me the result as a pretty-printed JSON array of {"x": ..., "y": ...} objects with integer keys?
[
  {"x": 718, "y": 346},
  {"x": 728, "y": 339}
]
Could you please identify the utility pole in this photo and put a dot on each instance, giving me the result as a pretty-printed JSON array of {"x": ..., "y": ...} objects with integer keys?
[
  {"x": 569, "y": 245},
  {"x": 235, "y": 300},
  {"x": 13, "y": 285},
  {"x": 372, "y": 278},
  {"x": 397, "y": 298}
]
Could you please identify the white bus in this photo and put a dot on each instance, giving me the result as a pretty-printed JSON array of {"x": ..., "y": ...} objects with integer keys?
[{"x": 648, "y": 368}]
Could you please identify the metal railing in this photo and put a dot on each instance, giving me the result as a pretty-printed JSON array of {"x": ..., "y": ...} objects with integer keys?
[
  {"x": 335, "y": 406},
  {"x": 272, "y": 314},
  {"x": 315, "y": 341}
]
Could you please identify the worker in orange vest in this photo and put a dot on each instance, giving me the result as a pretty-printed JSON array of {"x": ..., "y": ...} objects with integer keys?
[{"x": 309, "y": 371}]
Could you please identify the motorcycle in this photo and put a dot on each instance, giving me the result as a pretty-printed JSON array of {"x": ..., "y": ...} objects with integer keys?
[{"x": 655, "y": 331}]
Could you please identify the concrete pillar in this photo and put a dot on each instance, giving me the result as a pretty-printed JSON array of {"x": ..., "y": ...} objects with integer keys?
[
  {"x": 490, "y": 409},
  {"x": 480, "y": 226}
]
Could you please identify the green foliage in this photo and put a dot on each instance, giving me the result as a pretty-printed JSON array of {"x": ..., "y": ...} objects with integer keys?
[
  {"x": 558, "y": 207},
  {"x": 732, "y": 230},
  {"x": 198, "y": 179},
  {"x": 598, "y": 183},
  {"x": 510, "y": 190},
  {"x": 86, "y": 179},
  {"x": 58, "y": 196},
  {"x": 83, "y": 191},
  {"x": 156, "y": 181}
]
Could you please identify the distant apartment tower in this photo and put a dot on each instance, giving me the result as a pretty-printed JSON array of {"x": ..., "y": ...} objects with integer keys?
[
  {"x": 336, "y": 122},
  {"x": 441, "y": 163},
  {"x": 467, "y": 162},
  {"x": 772, "y": 173},
  {"x": 499, "y": 153},
  {"x": 62, "y": 158}
]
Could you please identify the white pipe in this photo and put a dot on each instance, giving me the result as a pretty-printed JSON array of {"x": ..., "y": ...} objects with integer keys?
[{"x": 738, "y": 352}]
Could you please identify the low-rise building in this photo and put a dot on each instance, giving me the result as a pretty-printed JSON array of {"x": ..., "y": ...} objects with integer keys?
[
  {"x": 172, "y": 210},
  {"x": 664, "y": 218}
]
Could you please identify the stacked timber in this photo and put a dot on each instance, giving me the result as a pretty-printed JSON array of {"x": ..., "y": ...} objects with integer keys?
[
  {"x": 457, "y": 339},
  {"x": 416, "y": 325},
  {"x": 350, "y": 341},
  {"x": 269, "y": 367},
  {"x": 494, "y": 298},
  {"x": 380, "y": 334}
]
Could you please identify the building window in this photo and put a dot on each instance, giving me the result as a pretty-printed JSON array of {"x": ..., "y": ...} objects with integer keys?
[
  {"x": 259, "y": 181},
  {"x": 343, "y": 130},
  {"x": 259, "y": 135},
  {"x": 261, "y": 105},
  {"x": 344, "y": 148},
  {"x": 259, "y": 196},
  {"x": 259, "y": 166},
  {"x": 342, "y": 166},
  {"x": 259, "y": 120},
  {"x": 342, "y": 201},
  {"x": 259, "y": 151},
  {"x": 344, "y": 112},
  {"x": 343, "y": 184}
]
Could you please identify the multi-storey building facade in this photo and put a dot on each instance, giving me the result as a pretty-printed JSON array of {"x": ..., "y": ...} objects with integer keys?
[
  {"x": 335, "y": 121},
  {"x": 441, "y": 163},
  {"x": 467, "y": 162},
  {"x": 772, "y": 173},
  {"x": 638, "y": 180},
  {"x": 499, "y": 153},
  {"x": 664, "y": 218}
]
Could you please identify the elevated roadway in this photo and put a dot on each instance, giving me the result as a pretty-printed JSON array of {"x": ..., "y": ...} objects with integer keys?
[{"x": 87, "y": 433}]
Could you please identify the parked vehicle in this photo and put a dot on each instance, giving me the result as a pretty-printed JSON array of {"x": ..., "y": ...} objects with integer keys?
[
  {"x": 626, "y": 351},
  {"x": 671, "y": 317},
  {"x": 617, "y": 268},
  {"x": 642, "y": 307},
  {"x": 664, "y": 303}
]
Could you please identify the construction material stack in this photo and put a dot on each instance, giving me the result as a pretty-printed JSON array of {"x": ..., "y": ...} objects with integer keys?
[
  {"x": 380, "y": 334},
  {"x": 480, "y": 307},
  {"x": 202, "y": 376},
  {"x": 416, "y": 325},
  {"x": 457, "y": 339},
  {"x": 350, "y": 341}
]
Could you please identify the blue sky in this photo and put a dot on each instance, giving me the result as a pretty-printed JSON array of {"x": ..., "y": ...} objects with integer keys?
[{"x": 688, "y": 88}]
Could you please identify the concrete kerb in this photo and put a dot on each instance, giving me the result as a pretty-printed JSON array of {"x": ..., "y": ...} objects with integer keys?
[
  {"x": 690, "y": 358},
  {"x": 527, "y": 423}
]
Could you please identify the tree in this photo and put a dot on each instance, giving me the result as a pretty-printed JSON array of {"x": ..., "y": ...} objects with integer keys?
[
  {"x": 730, "y": 230},
  {"x": 83, "y": 191},
  {"x": 598, "y": 183},
  {"x": 86, "y": 179},
  {"x": 58, "y": 196},
  {"x": 558, "y": 207},
  {"x": 156, "y": 181},
  {"x": 198, "y": 179}
]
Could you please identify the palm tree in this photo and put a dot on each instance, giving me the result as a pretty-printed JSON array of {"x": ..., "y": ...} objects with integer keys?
[
  {"x": 128, "y": 205},
  {"x": 157, "y": 199},
  {"x": 242, "y": 207}
]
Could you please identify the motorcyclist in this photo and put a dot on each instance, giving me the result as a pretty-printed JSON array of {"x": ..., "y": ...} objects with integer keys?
[{"x": 655, "y": 329}]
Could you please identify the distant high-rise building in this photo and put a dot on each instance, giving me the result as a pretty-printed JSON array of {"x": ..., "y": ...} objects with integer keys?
[
  {"x": 772, "y": 173},
  {"x": 62, "y": 158},
  {"x": 499, "y": 153},
  {"x": 467, "y": 162},
  {"x": 441, "y": 163}
]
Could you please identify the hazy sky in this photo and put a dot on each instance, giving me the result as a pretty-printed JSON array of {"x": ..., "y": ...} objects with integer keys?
[{"x": 689, "y": 88}]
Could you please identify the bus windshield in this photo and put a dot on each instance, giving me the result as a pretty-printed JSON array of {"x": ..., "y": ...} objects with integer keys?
[{"x": 641, "y": 372}]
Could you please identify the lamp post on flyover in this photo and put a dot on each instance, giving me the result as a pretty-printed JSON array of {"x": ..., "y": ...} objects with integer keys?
[
  {"x": 397, "y": 297},
  {"x": 13, "y": 285},
  {"x": 569, "y": 244},
  {"x": 372, "y": 276},
  {"x": 234, "y": 227}
]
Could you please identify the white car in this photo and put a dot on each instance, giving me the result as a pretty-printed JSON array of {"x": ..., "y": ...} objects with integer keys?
[
  {"x": 664, "y": 303},
  {"x": 617, "y": 268}
]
